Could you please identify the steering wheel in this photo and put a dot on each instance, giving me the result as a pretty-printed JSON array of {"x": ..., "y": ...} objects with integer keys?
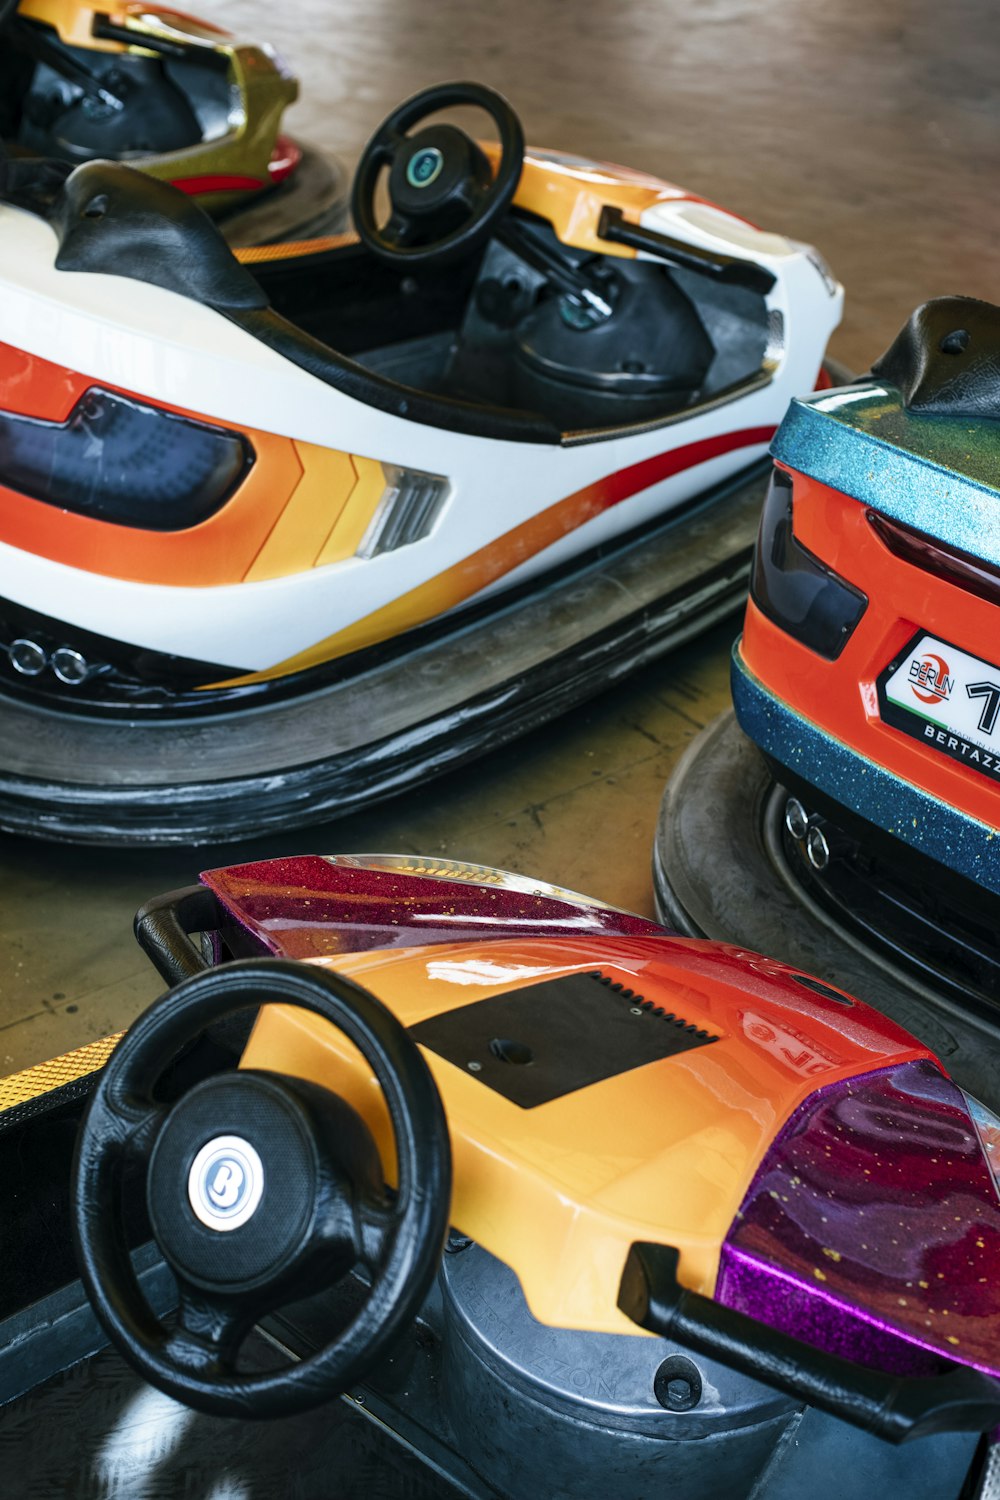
[
  {"x": 261, "y": 1189},
  {"x": 443, "y": 195}
]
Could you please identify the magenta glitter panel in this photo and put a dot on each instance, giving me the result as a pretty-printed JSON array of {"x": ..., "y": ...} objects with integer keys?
[
  {"x": 872, "y": 1227},
  {"x": 308, "y": 907}
]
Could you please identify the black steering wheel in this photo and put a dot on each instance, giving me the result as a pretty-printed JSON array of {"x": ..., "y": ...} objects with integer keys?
[
  {"x": 443, "y": 194},
  {"x": 261, "y": 1189}
]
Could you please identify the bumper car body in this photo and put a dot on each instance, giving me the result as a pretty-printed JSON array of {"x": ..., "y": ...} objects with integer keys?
[
  {"x": 179, "y": 97},
  {"x": 712, "y": 1222},
  {"x": 864, "y": 672},
  {"x": 453, "y": 475}
]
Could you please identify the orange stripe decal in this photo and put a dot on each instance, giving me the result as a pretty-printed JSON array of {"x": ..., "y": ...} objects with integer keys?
[
  {"x": 516, "y": 546},
  {"x": 254, "y": 255}
]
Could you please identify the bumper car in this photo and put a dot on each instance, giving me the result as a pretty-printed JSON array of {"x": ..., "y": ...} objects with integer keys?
[
  {"x": 847, "y": 815},
  {"x": 317, "y": 522},
  {"x": 552, "y": 1200},
  {"x": 178, "y": 97}
]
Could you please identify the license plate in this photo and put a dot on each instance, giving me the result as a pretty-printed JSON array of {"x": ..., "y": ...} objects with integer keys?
[{"x": 947, "y": 699}]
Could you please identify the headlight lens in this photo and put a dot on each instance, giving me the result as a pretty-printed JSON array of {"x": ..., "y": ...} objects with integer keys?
[{"x": 118, "y": 460}]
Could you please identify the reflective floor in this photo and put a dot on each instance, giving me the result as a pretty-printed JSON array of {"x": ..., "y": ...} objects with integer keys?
[{"x": 871, "y": 131}]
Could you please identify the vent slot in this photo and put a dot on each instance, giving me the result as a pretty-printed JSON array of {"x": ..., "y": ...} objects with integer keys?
[{"x": 407, "y": 511}]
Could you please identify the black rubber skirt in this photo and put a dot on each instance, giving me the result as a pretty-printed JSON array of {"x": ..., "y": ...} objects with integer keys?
[
  {"x": 720, "y": 871},
  {"x": 433, "y": 700}
]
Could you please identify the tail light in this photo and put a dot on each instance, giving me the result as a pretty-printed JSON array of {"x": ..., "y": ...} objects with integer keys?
[
  {"x": 794, "y": 588},
  {"x": 118, "y": 460},
  {"x": 932, "y": 556},
  {"x": 872, "y": 1226},
  {"x": 988, "y": 1129}
]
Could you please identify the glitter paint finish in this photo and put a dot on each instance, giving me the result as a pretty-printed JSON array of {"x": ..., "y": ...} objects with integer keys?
[
  {"x": 872, "y": 1227},
  {"x": 859, "y": 783},
  {"x": 311, "y": 907},
  {"x": 814, "y": 1165},
  {"x": 664, "y": 1147},
  {"x": 935, "y": 474},
  {"x": 906, "y": 508}
]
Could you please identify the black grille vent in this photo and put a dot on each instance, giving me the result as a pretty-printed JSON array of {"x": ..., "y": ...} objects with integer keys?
[
  {"x": 542, "y": 1041},
  {"x": 636, "y": 1001}
]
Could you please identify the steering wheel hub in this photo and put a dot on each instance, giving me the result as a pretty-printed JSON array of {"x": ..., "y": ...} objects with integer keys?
[
  {"x": 232, "y": 1182},
  {"x": 435, "y": 173}
]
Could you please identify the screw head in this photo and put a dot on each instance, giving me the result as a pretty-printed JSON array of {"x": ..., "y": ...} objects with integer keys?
[{"x": 677, "y": 1383}]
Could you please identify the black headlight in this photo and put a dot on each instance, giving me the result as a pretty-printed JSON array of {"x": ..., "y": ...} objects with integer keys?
[
  {"x": 118, "y": 460},
  {"x": 793, "y": 588}
]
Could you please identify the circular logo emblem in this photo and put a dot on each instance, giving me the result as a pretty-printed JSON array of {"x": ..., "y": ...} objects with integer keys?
[
  {"x": 930, "y": 679},
  {"x": 225, "y": 1182},
  {"x": 424, "y": 167}
]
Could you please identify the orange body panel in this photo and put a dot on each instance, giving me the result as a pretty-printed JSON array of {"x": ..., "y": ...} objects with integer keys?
[
  {"x": 572, "y": 1182},
  {"x": 840, "y": 696},
  {"x": 73, "y": 21},
  {"x": 284, "y": 517},
  {"x": 570, "y": 194}
]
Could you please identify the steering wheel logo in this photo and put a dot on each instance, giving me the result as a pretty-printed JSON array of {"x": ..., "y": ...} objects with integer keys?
[
  {"x": 424, "y": 167},
  {"x": 226, "y": 1187},
  {"x": 225, "y": 1183}
]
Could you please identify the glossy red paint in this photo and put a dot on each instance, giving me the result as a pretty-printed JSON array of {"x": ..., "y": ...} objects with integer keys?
[
  {"x": 284, "y": 159},
  {"x": 217, "y": 183},
  {"x": 308, "y": 907}
]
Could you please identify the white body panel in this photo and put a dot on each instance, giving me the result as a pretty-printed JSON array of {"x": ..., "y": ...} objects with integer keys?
[{"x": 162, "y": 345}]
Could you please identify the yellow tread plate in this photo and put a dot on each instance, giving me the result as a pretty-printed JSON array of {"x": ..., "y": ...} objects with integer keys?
[{"x": 44, "y": 1078}]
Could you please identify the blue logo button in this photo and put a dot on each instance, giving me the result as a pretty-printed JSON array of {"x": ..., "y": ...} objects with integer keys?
[{"x": 425, "y": 167}]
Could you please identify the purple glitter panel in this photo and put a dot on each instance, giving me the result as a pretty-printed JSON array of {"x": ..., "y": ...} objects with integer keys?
[
  {"x": 872, "y": 1227},
  {"x": 309, "y": 908}
]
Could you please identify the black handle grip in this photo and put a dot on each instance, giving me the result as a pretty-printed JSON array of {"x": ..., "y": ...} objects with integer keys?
[
  {"x": 731, "y": 269},
  {"x": 893, "y": 1407},
  {"x": 163, "y": 926}
]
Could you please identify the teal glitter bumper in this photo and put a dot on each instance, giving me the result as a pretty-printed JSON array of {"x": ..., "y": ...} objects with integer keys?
[
  {"x": 942, "y": 832},
  {"x": 938, "y": 475}
]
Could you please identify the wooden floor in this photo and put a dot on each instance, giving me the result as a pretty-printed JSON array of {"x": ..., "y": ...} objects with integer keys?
[{"x": 872, "y": 131}]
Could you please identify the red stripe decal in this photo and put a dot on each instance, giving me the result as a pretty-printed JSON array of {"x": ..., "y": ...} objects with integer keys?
[
  {"x": 217, "y": 184},
  {"x": 627, "y": 482}
]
